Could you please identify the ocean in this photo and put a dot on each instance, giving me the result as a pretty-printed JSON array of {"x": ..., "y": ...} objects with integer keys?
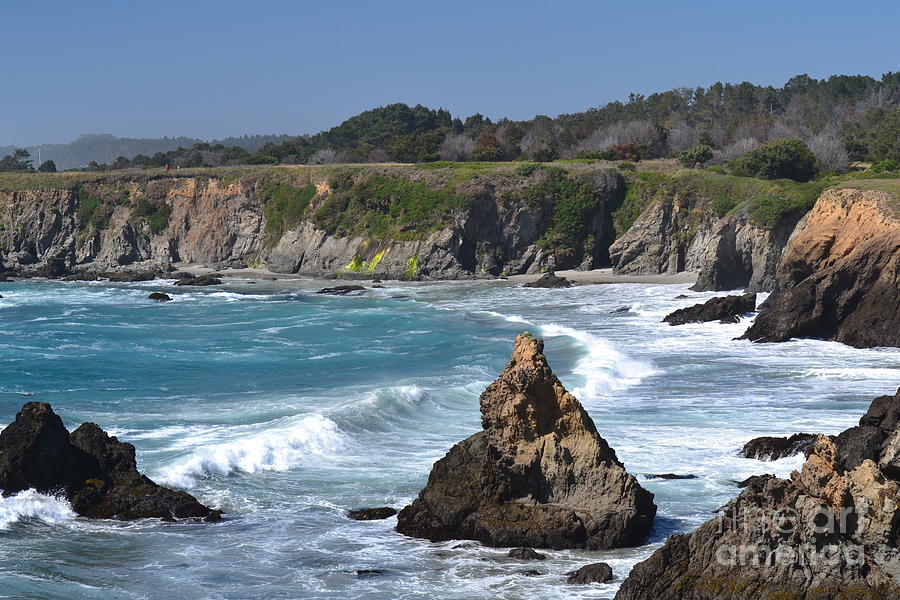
[{"x": 286, "y": 409}]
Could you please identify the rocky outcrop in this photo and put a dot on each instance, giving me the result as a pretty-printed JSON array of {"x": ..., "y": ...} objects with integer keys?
[
  {"x": 840, "y": 276},
  {"x": 592, "y": 573},
  {"x": 725, "y": 309},
  {"x": 774, "y": 448},
  {"x": 342, "y": 290},
  {"x": 159, "y": 297},
  {"x": 538, "y": 475},
  {"x": 681, "y": 232},
  {"x": 549, "y": 280},
  {"x": 199, "y": 280},
  {"x": 102, "y": 224},
  {"x": 95, "y": 472},
  {"x": 372, "y": 514},
  {"x": 830, "y": 532}
]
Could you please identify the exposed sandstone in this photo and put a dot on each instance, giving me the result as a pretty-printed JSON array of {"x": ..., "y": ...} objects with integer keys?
[
  {"x": 829, "y": 532},
  {"x": 538, "y": 475},
  {"x": 840, "y": 276}
]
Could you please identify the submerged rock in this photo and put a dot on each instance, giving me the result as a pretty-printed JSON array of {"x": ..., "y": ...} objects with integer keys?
[
  {"x": 670, "y": 476},
  {"x": 829, "y": 532},
  {"x": 95, "y": 472},
  {"x": 199, "y": 280},
  {"x": 526, "y": 554},
  {"x": 774, "y": 448},
  {"x": 342, "y": 290},
  {"x": 372, "y": 514},
  {"x": 593, "y": 573},
  {"x": 725, "y": 309},
  {"x": 538, "y": 475},
  {"x": 159, "y": 297},
  {"x": 549, "y": 280}
]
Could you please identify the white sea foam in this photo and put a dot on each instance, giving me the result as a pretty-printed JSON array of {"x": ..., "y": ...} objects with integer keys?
[
  {"x": 604, "y": 369},
  {"x": 29, "y": 504},
  {"x": 281, "y": 445}
]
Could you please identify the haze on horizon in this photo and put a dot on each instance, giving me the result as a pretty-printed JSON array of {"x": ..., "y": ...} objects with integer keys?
[{"x": 216, "y": 69}]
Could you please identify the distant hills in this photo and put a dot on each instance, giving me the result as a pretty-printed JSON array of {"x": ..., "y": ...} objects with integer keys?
[{"x": 105, "y": 148}]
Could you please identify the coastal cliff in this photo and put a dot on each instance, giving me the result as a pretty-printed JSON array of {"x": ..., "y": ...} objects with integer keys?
[
  {"x": 839, "y": 278},
  {"x": 730, "y": 230},
  {"x": 391, "y": 222}
]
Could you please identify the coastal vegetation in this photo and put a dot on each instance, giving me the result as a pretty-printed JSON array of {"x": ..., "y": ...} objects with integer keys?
[{"x": 842, "y": 119}]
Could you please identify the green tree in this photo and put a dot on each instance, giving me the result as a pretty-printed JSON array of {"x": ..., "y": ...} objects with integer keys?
[
  {"x": 48, "y": 166},
  {"x": 19, "y": 160},
  {"x": 695, "y": 156},
  {"x": 781, "y": 159}
]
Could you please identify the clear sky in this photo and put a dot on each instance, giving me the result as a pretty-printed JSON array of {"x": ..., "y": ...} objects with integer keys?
[{"x": 211, "y": 69}]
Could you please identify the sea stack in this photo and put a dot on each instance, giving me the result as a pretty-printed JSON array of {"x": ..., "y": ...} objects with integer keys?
[
  {"x": 539, "y": 474},
  {"x": 94, "y": 471},
  {"x": 829, "y": 532}
]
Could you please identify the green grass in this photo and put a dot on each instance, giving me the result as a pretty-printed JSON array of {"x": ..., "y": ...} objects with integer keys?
[
  {"x": 383, "y": 206},
  {"x": 765, "y": 202},
  {"x": 285, "y": 206}
]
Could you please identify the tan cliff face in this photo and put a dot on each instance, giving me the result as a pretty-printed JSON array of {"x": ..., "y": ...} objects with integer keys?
[{"x": 839, "y": 278}]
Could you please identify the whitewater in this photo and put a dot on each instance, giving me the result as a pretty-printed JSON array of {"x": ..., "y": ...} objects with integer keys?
[{"x": 287, "y": 409}]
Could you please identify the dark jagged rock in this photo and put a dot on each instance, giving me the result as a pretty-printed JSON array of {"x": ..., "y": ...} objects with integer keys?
[
  {"x": 538, "y": 475},
  {"x": 342, "y": 290},
  {"x": 53, "y": 268},
  {"x": 549, "y": 280},
  {"x": 199, "y": 280},
  {"x": 95, "y": 472},
  {"x": 366, "y": 573},
  {"x": 592, "y": 573},
  {"x": 830, "y": 532},
  {"x": 670, "y": 476},
  {"x": 839, "y": 278},
  {"x": 159, "y": 297},
  {"x": 774, "y": 448},
  {"x": 725, "y": 309},
  {"x": 619, "y": 310},
  {"x": 529, "y": 572},
  {"x": 132, "y": 276},
  {"x": 372, "y": 514},
  {"x": 526, "y": 554}
]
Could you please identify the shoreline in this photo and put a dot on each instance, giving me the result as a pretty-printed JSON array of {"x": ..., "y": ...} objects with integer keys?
[{"x": 593, "y": 277}]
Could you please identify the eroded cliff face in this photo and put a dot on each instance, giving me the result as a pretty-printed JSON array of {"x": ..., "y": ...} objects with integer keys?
[
  {"x": 839, "y": 278},
  {"x": 683, "y": 233},
  {"x": 150, "y": 223}
]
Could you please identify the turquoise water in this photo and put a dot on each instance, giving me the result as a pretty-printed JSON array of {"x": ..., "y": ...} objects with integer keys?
[{"x": 287, "y": 409}]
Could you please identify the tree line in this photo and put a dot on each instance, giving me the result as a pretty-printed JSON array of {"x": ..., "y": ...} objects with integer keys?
[{"x": 841, "y": 119}]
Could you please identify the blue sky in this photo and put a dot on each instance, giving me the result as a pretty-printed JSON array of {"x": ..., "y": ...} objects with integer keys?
[{"x": 213, "y": 69}]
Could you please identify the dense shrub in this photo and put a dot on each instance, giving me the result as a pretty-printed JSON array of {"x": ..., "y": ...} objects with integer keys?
[
  {"x": 781, "y": 159},
  {"x": 886, "y": 166},
  {"x": 723, "y": 204},
  {"x": 154, "y": 214},
  {"x": 487, "y": 154},
  {"x": 626, "y": 166},
  {"x": 696, "y": 155}
]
